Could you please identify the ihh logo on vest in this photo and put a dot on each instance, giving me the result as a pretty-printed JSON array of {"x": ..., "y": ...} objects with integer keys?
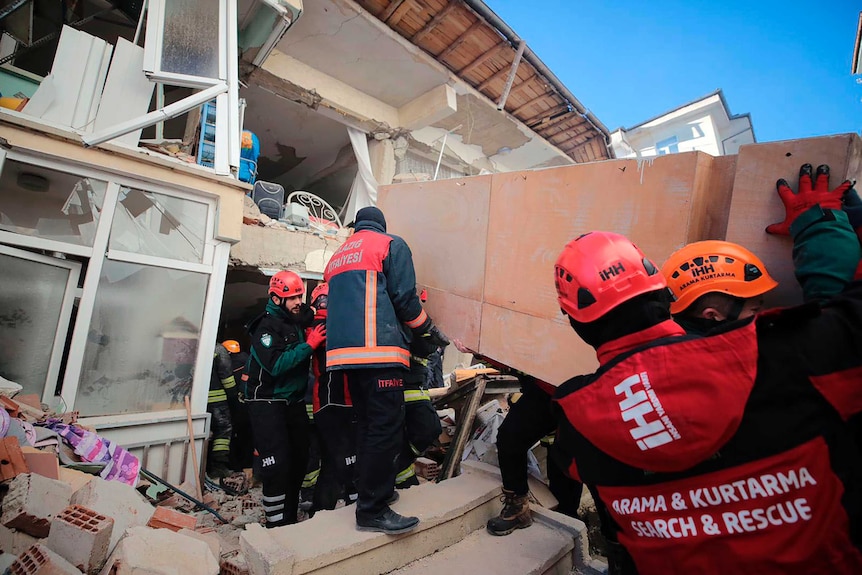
[{"x": 641, "y": 406}]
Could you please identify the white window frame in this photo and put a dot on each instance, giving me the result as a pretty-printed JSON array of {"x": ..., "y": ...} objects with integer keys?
[
  {"x": 59, "y": 344},
  {"x": 154, "y": 42},
  {"x": 214, "y": 263}
]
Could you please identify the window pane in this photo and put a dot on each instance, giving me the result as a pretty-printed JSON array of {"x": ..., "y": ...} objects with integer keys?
[
  {"x": 31, "y": 299},
  {"x": 191, "y": 38},
  {"x": 159, "y": 225},
  {"x": 143, "y": 340},
  {"x": 40, "y": 202}
]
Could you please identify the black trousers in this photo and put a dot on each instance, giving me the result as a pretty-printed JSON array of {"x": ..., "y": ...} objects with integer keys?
[
  {"x": 281, "y": 440},
  {"x": 378, "y": 403},
  {"x": 337, "y": 433},
  {"x": 530, "y": 419}
]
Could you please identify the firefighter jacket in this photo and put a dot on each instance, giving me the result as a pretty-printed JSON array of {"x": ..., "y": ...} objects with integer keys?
[
  {"x": 330, "y": 388},
  {"x": 727, "y": 453},
  {"x": 279, "y": 360},
  {"x": 222, "y": 382},
  {"x": 373, "y": 307}
]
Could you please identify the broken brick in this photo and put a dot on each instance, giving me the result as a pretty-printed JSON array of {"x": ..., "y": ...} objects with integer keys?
[
  {"x": 12, "y": 462},
  {"x": 426, "y": 468},
  {"x": 32, "y": 501},
  {"x": 81, "y": 536},
  {"x": 113, "y": 499},
  {"x": 10, "y": 406},
  {"x": 167, "y": 518},
  {"x": 14, "y": 542},
  {"x": 234, "y": 565},
  {"x": 39, "y": 560},
  {"x": 177, "y": 553}
]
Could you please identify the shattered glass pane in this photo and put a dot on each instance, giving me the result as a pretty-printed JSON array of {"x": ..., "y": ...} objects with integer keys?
[
  {"x": 190, "y": 43},
  {"x": 45, "y": 203},
  {"x": 159, "y": 225},
  {"x": 143, "y": 340},
  {"x": 31, "y": 299}
]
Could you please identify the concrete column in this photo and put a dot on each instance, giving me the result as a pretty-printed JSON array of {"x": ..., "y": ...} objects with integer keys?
[{"x": 382, "y": 153}]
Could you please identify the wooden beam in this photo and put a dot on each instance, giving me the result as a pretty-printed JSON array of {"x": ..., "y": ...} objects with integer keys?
[
  {"x": 483, "y": 58},
  {"x": 521, "y": 85},
  {"x": 435, "y": 21},
  {"x": 498, "y": 75},
  {"x": 501, "y": 104},
  {"x": 529, "y": 103},
  {"x": 450, "y": 49},
  {"x": 576, "y": 144},
  {"x": 564, "y": 117},
  {"x": 545, "y": 115},
  {"x": 389, "y": 10}
]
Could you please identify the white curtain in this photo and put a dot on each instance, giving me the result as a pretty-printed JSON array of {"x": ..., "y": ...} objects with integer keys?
[{"x": 363, "y": 192}]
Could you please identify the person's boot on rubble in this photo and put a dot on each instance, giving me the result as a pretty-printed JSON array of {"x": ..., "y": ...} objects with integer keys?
[
  {"x": 515, "y": 514},
  {"x": 217, "y": 466}
]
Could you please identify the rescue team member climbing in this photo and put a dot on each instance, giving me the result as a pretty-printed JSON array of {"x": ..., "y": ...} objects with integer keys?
[
  {"x": 373, "y": 315},
  {"x": 713, "y": 282},
  {"x": 727, "y": 453},
  {"x": 274, "y": 387}
]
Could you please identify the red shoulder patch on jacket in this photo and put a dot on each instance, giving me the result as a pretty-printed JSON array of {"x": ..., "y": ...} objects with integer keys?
[
  {"x": 841, "y": 389},
  {"x": 670, "y": 406},
  {"x": 364, "y": 250}
]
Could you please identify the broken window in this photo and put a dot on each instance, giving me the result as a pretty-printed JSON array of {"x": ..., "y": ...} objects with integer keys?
[
  {"x": 153, "y": 224},
  {"x": 38, "y": 201},
  {"x": 143, "y": 339}
]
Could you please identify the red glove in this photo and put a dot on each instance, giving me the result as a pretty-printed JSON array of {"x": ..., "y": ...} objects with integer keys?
[
  {"x": 316, "y": 336},
  {"x": 795, "y": 203}
]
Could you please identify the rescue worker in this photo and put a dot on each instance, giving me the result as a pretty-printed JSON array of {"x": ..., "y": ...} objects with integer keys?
[
  {"x": 373, "y": 315},
  {"x": 274, "y": 388},
  {"x": 222, "y": 391},
  {"x": 713, "y": 282},
  {"x": 241, "y": 444},
  {"x": 333, "y": 412},
  {"x": 421, "y": 422},
  {"x": 727, "y": 453},
  {"x": 310, "y": 481}
]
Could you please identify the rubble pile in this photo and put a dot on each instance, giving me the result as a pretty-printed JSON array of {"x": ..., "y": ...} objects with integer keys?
[{"x": 61, "y": 513}]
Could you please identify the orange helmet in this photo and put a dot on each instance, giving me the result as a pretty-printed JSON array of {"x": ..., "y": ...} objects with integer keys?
[
  {"x": 231, "y": 345},
  {"x": 286, "y": 284},
  {"x": 714, "y": 266},
  {"x": 600, "y": 270}
]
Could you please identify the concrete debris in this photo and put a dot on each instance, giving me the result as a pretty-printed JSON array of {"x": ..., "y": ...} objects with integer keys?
[
  {"x": 161, "y": 552},
  {"x": 39, "y": 560},
  {"x": 210, "y": 537},
  {"x": 117, "y": 500},
  {"x": 81, "y": 536},
  {"x": 31, "y": 503},
  {"x": 14, "y": 542}
]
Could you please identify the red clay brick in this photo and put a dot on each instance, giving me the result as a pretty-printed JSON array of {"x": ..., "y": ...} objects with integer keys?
[
  {"x": 234, "y": 565},
  {"x": 38, "y": 560},
  {"x": 12, "y": 462},
  {"x": 166, "y": 518},
  {"x": 426, "y": 468}
]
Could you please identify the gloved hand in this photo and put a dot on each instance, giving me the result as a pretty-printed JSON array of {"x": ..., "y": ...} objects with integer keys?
[
  {"x": 853, "y": 209},
  {"x": 435, "y": 337},
  {"x": 316, "y": 336},
  {"x": 795, "y": 203}
]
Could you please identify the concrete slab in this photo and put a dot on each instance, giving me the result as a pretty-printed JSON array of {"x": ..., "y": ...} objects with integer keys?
[
  {"x": 117, "y": 500},
  {"x": 330, "y": 543},
  {"x": 160, "y": 552},
  {"x": 536, "y": 550}
]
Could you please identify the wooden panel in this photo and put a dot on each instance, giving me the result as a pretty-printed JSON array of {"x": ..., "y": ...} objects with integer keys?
[
  {"x": 457, "y": 316},
  {"x": 549, "y": 350},
  {"x": 755, "y": 203},
  {"x": 535, "y": 213},
  {"x": 446, "y": 225},
  {"x": 715, "y": 175}
]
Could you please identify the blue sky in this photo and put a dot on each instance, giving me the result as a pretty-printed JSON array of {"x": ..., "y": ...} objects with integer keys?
[{"x": 785, "y": 63}]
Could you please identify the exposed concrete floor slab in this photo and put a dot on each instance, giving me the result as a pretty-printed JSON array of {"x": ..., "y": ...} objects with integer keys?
[{"x": 532, "y": 551}]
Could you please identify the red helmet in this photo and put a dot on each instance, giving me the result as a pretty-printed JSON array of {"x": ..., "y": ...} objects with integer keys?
[
  {"x": 286, "y": 284},
  {"x": 600, "y": 270},
  {"x": 319, "y": 296}
]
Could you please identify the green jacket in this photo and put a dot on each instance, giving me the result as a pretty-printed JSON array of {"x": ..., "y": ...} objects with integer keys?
[
  {"x": 826, "y": 252},
  {"x": 279, "y": 360}
]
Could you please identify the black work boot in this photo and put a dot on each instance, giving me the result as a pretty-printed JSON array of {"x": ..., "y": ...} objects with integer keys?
[
  {"x": 389, "y": 522},
  {"x": 515, "y": 514}
]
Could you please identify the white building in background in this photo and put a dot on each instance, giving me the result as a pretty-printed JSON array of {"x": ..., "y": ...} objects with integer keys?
[{"x": 704, "y": 125}]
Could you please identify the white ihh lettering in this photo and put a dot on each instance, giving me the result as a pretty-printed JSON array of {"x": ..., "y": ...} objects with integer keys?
[{"x": 642, "y": 406}]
